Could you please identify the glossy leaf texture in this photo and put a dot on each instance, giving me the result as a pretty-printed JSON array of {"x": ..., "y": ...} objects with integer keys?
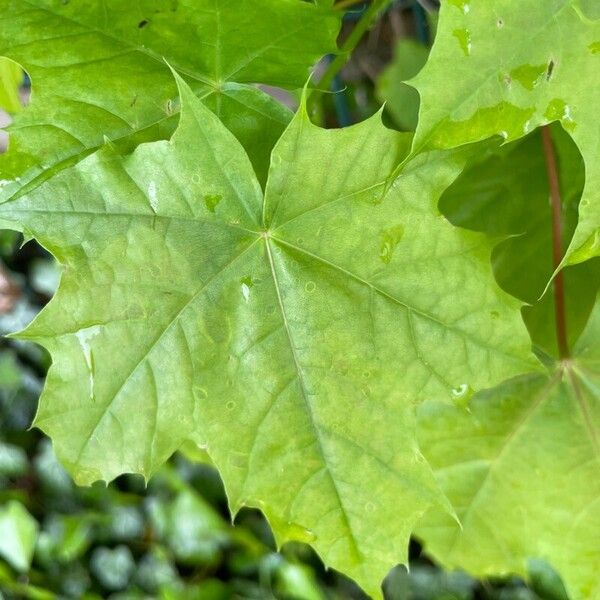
[
  {"x": 289, "y": 333},
  {"x": 99, "y": 70},
  {"x": 504, "y": 68},
  {"x": 504, "y": 193},
  {"x": 520, "y": 467}
]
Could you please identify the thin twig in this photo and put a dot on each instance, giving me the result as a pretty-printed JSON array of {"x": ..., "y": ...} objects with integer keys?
[
  {"x": 351, "y": 42},
  {"x": 557, "y": 252},
  {"x": 344, "y": 4}
]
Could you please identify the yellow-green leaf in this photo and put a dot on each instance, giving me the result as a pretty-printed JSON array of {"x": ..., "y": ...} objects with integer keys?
[{"x": 288, "y": 333}]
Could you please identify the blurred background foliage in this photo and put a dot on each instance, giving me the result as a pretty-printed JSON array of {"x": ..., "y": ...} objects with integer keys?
[{"x": 173, "y": 539}]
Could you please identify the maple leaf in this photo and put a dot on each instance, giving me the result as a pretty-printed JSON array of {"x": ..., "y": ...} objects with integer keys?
[
  {"x": 289, "y": 333},
  {"x": 521, "y": 468},
  {"x": 98, "y": 70},
  {"x": 506, "y": 68}
]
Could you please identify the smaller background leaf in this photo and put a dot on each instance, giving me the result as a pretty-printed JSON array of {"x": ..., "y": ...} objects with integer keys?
[
  {"x": 402, "y": 99},
  {"x": 18, "y": 535}
]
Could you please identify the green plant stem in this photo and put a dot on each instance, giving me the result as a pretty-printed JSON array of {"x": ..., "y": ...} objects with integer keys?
[
  {"x": 351, "y": 42},
  {"x": 557, "y": 252},
  {"x": 344, "y": 4}
]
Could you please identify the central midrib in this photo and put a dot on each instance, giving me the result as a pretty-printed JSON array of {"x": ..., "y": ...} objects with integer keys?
[{"x": 309, "y": 408}]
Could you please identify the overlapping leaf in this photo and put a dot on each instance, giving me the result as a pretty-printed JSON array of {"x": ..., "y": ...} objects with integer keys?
[
  {"x": 290, "y": 335},
  {"x": 522, "y": 469},
  {"x": 514, "y": 461},
  {"x": 503, "y": 68},
  {"x": 99, "y": 71},
  {"x": 504, "y": 193}
]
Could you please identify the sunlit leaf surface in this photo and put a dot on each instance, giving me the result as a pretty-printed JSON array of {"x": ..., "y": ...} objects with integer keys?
[{"x": 289, "y": 334}]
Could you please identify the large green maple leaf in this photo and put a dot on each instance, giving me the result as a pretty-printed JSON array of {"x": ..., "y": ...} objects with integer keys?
[
  {"x": 289, "y": 334},
  {"x": 522, "y": 469},
  {"x": 98, "y": 70},
  {"x": 506, "y": 67}
]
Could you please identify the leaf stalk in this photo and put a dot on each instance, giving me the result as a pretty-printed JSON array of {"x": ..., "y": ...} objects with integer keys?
[{"x": 557, "y": 250}]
